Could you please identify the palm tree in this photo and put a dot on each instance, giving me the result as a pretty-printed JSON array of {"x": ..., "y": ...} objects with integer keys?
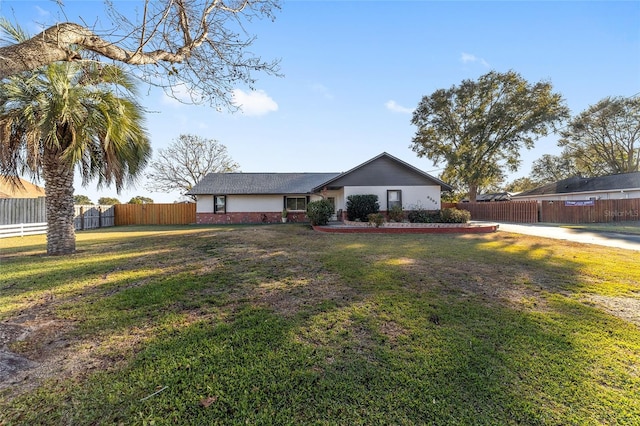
[{"x": 70, "y": 115}]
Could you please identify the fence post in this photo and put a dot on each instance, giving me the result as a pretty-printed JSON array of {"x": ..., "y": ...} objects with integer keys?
[{"x": 99, "y": 216}]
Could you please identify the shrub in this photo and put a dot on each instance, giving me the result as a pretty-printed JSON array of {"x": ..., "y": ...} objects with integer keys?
[
  {"x": 361, "y": 206},
  {"x": 319, "y": 212},
  {"x": 423, "y": 216},
  {"x": 454, "y": 216},
  {"x": 396, "y": 213},
  {"x": 376, "y": 219}
]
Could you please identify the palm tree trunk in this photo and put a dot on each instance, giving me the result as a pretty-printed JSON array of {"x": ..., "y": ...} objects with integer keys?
[{"x": 58, "y": 177}]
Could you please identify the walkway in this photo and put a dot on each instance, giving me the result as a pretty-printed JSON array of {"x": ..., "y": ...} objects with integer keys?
[{"x": 609, "y": 239}]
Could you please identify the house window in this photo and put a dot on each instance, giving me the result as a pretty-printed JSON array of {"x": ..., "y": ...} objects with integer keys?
[
  {"x": 394, "y": 198},
  {"x": 297, "y": 203},
  {"x": 220, "y": 204}
]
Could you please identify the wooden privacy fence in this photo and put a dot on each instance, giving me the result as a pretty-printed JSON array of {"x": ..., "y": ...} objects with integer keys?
[
  {"x": 22, "y": 210},
  {"x": 91, "y": 217},
  {"x": 155, "y": 214},
  {"x": 597, "y": 211},
  {"x": 503, "y": 211}
]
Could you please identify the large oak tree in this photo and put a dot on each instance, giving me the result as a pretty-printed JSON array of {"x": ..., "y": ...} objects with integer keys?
[
  {"x": 477, "y": 129},
  {"x": 200, "y": 45},
  {"x": 605, "y": 138}
]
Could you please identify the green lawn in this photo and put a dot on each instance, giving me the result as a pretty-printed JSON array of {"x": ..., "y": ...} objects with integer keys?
[
  {"x": 280, "y": 325},
  {"x": 629, "y": 227}
]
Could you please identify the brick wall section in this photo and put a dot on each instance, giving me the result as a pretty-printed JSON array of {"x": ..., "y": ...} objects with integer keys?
[{"x": 247, "y": 217}]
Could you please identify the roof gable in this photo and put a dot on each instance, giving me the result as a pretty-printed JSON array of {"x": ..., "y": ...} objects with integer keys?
[
  {"x": 383, "y": 170},
  {"x": 579, "y": 184}
]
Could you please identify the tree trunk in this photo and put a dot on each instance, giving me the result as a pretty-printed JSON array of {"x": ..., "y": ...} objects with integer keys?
[
  {"x": 473, "y": 193},
  {"x": 58, "y": 177}
]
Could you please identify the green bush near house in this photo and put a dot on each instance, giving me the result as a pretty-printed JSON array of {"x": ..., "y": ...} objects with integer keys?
[
  {"x": 449, "y": 215},
  {"x": 319, "y": 212},
  {"x": 454, "y": 216},
  {"x": 359, "y": 207},
  {"x": 420, "y": 215},
  {"x": 376, "y": 219},
  {"x": 396, "y": 213}
]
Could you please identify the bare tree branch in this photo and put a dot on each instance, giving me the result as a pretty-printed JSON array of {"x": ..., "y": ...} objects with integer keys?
[{"x": 200, "y": 44}]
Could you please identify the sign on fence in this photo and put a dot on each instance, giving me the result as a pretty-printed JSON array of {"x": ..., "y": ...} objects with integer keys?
[{"x": 575, "y": 203}]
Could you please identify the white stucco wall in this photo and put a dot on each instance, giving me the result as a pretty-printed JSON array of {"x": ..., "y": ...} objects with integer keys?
[
  {"x": 244, "y": 203},
  {"x": 426, "y": 197},
  {"x": 204, "y": 204}
]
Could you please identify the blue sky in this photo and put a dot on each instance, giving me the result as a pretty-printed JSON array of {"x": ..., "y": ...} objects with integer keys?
[{"x": 354, "y": 71}]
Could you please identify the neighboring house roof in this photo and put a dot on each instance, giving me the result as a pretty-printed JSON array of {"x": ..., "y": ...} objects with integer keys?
[
  {"x": 623, "y": 181},
  {"x": 495, "y": 196},
  {"x": 384, "y": 169},
  {"x": 24, "y": 190},
  {"x": 259, "y": 183}
]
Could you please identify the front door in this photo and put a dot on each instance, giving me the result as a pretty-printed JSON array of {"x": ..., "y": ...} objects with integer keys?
[{"x": 332, "y": 200}]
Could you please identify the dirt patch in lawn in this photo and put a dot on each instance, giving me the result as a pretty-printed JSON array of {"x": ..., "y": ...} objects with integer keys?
[{"x": 626, "y": 308}]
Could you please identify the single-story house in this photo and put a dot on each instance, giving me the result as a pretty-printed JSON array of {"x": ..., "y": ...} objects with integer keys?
[
  {"x": 611, "y": 187},
  {"x": 262, "y": 197}
]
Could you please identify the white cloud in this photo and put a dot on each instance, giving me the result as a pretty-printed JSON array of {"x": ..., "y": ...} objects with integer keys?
[
  {"x": 253, "y": 103},
  {"x": 470, "y": 58},
  {"x": 395, "y": 107},
  {"x": 41, "y": 11},
  {"x": 322, "y": 90},
  {"x": 180, "y": 95}
]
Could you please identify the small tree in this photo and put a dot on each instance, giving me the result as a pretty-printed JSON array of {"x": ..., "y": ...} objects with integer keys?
[
  {"x": 319, "y": 212},
  {"x": 359, "y": 207},
  {"x": 108, "y": 201},
  {"x": 81, "y": 199},
  {"x": 138, "y": 199}
]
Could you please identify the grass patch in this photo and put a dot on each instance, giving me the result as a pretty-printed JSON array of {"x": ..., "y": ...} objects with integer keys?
[
  {"x": 629, "y": 227},
  {"x": 280, "y": 325}
]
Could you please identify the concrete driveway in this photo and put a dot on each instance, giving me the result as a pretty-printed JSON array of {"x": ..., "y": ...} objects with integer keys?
[{"x": 609, "y": 239}]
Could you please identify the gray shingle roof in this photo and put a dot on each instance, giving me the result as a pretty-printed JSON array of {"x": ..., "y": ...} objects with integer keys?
[
  {"x": 260, "y": 183},
  {"x": 580, "y": 184}
]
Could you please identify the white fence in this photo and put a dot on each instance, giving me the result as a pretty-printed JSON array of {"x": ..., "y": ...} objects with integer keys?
[
  {"x": 22, "y": 229},
  {"x": 27, "y": 216}
]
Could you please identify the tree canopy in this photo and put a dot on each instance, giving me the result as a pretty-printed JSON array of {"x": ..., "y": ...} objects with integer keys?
[
  {"x": 139, "y": 199},
  {"x": 82, "y": 199},
  {"x": 108, "y": 201},
  {"x": 187, "y": 160},
  {"x": 478, "y": 128},
  {"x": 605, "y": 138},
  {"x": 203, "y": 44},
  {"x": 552, "y": 168}
]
